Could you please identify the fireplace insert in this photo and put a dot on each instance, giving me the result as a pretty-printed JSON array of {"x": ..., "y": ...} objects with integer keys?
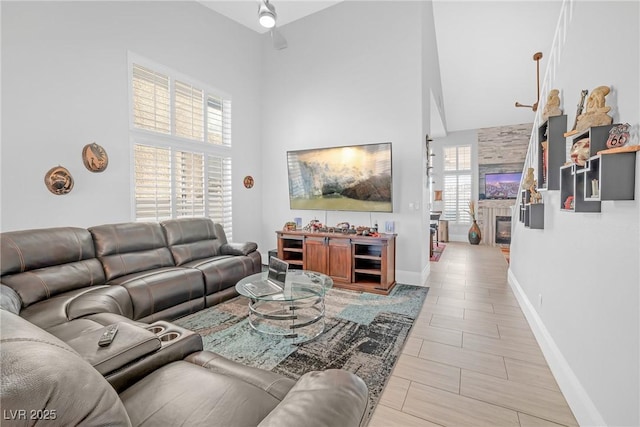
[{"x": 503, "y": 229}]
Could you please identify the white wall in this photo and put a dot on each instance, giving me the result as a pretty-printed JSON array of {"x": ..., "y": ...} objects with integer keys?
[
  {"x": 351, "y": 75},
  {"x": 433, "y": 119},
  {"x": 65, "y": 84},
  {"x": 585, "y": 267}
]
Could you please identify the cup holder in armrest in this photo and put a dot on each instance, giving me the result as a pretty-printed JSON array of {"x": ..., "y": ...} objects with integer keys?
[
  {"x": 169, "y": 336},
  {"x": 156, "y": 329}
]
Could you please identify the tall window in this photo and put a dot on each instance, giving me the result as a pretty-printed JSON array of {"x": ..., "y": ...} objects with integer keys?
[
  {"x": 457, "y": 183},
  {"x": 181, "y": 134}
]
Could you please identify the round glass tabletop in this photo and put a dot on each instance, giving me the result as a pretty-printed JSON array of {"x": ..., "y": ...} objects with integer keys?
[{"x": 299, "y": 284}]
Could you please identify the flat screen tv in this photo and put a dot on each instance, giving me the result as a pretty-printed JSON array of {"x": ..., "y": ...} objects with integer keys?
[
  {"x": 502, "y": 185},
  {"x": 349, "y": 178}
]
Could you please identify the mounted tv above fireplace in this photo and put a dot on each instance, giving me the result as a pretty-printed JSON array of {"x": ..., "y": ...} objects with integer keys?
[
  {"x": 349, "y": 178},
  {"x": 502, "y": 185}
]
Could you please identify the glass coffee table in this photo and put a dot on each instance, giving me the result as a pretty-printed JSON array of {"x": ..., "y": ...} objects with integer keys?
[{"x": 296, "y": 313}]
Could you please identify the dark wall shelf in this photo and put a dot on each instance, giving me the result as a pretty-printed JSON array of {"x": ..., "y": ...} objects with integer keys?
[
  {"x": 551, "y": 131},
  {"x": 603, "y": 176}
]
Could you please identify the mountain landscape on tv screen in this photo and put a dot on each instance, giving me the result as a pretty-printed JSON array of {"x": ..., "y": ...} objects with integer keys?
[
  {"x": 503, "y": 186},
  {"x": 343, "y": 178}
]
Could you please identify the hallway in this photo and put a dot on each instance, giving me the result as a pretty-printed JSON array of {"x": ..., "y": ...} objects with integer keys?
[{"x": 471, "y": 358}]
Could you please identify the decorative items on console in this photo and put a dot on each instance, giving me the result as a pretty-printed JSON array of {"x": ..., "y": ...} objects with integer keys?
[{"x": 343, "y": 227}]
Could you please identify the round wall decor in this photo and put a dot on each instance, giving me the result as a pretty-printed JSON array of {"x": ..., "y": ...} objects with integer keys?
[
  {"x": 58, "y": 180},
  {"x": 248, "y": 181},
  {"x": 95, "y": 157}
]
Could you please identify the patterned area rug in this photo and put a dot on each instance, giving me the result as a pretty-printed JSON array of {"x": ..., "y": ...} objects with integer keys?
[
  {"x": 506, "y": 251},
  {"x": 364, "y": 334},
  {"x": 437, "y": 252}
]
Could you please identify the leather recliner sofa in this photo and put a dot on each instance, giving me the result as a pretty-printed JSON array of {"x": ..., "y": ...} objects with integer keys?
[
  {"x": 167, "y": 269},
  {"x": 47, "y": 380},
  {"x": 65, "y": 285}
]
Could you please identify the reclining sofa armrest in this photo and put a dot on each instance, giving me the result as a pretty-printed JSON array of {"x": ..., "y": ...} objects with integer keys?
[
  {"x": 9, "y": 299},
  {"x": 272, "y": 383},
  {"x": 111, "y": 299},
  {"x": 129, "y": 344},
  {"x": 329, "y": 398},
  {"x": 238, "y": 248}
]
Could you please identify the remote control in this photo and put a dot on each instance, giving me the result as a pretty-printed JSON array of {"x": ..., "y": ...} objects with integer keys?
[{"x": 107, "y": 338}]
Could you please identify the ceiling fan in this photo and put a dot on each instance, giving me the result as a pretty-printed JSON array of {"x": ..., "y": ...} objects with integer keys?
[{"x": 267, "y": 18}]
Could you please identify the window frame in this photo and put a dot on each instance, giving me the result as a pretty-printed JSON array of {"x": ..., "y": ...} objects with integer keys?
[
  {"x": 176, "y": 143},
  {"x": 462, "y": 216}
]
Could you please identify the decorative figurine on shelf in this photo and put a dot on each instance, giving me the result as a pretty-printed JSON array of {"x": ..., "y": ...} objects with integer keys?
[
  {"x": 545, "y": 160},
  {"x": 552, "y": 107},
  {"x": 534, "y": 195},
  {"x": 342, "y": 227},
  {"x": 595, "y": 188},
  {"x": 583, "y": 95},
  {"x": 314, "y": 225},
  {"x": 528, "y": 179},
  {"x": 618, "y": 135},
  {"x": 290, "y": 226},
  {"x": 596, "y": 114},
  {"x": 580, "y": 151},
  {"x": 568, "y": 203}
]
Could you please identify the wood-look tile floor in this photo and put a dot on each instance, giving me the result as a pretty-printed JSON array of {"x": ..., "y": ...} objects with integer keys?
[{"x": 471, "y": 358}]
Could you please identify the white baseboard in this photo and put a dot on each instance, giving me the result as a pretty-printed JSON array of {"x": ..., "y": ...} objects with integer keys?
[
  {"x": 579, "y": 401},
  {"x": 411, "y": 277}
]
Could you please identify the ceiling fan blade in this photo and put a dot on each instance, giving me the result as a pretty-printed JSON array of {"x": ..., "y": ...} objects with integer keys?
[{"x": 279, "y": 42}]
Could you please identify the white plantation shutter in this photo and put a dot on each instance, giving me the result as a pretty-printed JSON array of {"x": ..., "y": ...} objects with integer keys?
[
  {"x": 457, "y": 183},
  {"x": 184, "y": 171},
  {"x": 218, "y": 121},
  {"x": 152, "y": 183},
  {"x": 151, "y": 106},
  {"x": 219, "y": 192},
  {"x": 189, "y": 184},
  {"x": 189, "y": 111}
]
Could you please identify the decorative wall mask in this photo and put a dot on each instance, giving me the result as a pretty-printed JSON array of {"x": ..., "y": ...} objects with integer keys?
[
  {"x": 95, "y": 157},
  {"x": 580, "y": 151},
  {"x": 58, "y": 180}
]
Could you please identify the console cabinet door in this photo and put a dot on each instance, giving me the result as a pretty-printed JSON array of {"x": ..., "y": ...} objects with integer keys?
[
  {"x": 339, "y": 260},
  {"x": 315, "y": 254}
]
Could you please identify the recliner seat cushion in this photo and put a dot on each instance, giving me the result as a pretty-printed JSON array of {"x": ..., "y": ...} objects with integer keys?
[{"x": 167, "y": 397}]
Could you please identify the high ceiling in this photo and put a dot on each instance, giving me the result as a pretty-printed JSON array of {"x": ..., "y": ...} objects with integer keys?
[{"x": 485, "y": 52}]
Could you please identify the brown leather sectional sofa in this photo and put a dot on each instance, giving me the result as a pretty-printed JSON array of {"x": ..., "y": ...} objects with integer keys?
[{"x": 61, "y": 288}]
